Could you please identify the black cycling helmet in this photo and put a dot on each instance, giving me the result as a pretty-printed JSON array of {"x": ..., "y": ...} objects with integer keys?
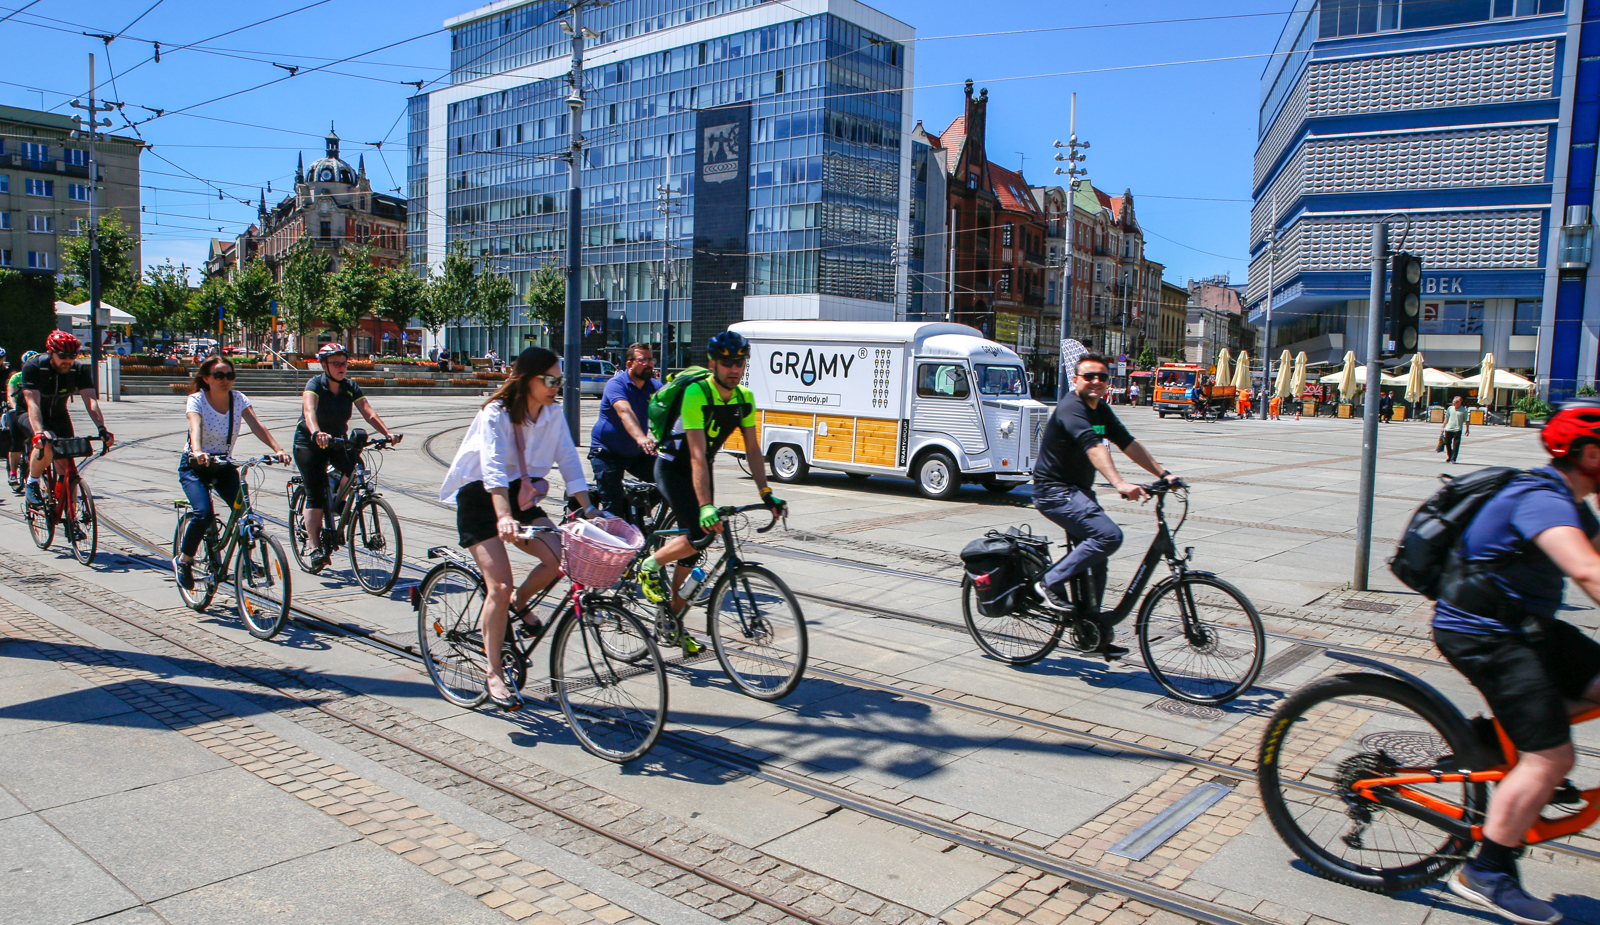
[{"x": 727, "y": 346}]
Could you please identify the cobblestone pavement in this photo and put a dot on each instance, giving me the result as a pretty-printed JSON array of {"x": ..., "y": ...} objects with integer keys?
[{"x": 907, "y": 779}]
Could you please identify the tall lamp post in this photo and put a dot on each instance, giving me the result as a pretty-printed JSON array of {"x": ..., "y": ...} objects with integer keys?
[
  {"x": 572, "y": 350},
  {"x": 1073, "y": 157}
]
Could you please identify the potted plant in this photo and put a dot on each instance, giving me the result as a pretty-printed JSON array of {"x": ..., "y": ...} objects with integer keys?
[{"x": 1531, "y": 409}]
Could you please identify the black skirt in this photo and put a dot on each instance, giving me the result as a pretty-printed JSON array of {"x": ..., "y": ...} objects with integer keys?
[{"x": 475, "y": 518}]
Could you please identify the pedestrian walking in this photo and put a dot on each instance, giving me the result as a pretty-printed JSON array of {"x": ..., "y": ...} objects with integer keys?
[
  {"x": 1457, "y": 423},
  {"x": 1133, "y": 394},
  {"x": 1385, "y": 408}
]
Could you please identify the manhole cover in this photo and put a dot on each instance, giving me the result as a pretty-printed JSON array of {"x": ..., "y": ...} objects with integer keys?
[
  {"x": 1173, "y": 707},
  {"x": 1370, "y": 606},
  {"x": 1408, "y": 749},
  {"x": 38, "y": 580}
]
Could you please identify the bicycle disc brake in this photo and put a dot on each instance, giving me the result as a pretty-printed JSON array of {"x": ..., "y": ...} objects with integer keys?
[{"x": 1086, "y": 634}]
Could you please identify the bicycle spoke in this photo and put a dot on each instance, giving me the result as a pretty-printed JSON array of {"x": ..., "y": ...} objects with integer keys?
[
  {"x": 448, "y": 634},
  {"x": 1202, "y": 640},
  {"x": 616, "y": 707},
  {"x": 759, "y": 633}
]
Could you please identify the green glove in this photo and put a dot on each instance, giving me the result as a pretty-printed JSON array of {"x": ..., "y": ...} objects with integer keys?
[
  {"x": 770, "y": 499},
  {"x": 709, "y": 515}
]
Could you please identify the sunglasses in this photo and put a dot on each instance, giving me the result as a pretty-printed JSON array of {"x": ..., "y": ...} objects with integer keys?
[
  {"x": 552, "y": 382},
  {"x": 734, "y": 361},
  {"x": 1100, "y": 377},
  {"x": 230, "y": 375}
]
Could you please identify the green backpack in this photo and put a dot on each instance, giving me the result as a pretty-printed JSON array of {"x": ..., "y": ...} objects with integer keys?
[{"x": 667, "y": 403}]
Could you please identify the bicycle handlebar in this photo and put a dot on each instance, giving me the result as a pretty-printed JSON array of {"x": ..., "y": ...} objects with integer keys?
[
  {"x": 247, "y": 462},
  {"x": 1162, "y": 486}
]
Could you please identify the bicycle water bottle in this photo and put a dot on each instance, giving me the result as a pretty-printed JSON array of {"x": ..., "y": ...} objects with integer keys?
[
  {"x": 692, "y": 584},
  {"x": 333, "y": 487}
]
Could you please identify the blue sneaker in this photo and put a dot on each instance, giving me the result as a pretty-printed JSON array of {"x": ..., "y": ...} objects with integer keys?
[{"x": 1502, "y": 893}]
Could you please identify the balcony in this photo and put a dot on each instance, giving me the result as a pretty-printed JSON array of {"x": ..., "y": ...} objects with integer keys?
[{"x": 61, "y": 168}]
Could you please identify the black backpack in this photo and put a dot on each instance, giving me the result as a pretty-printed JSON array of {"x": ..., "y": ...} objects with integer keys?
[
  {"x": 1424, "y": 553},
  {"x": 1003, "y": 568}
]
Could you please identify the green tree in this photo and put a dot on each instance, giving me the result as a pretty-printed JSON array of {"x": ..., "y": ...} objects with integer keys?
[
  {"x": 249, "y": 296},
  {"x": 200, "y": 316},
  {"x": 353, "y": 292},
  {"x": 491, "y": 304},
  {"x": 1148, "y": 359},
  {"x": 547, "y": 294},
  {"x": 402, "y": 297},
  {"x": 161, "y": 299},
  {"x": 118, "y": 275},
  {"x": 303, "y": 288},
  {"x": 454, "y": 291}
]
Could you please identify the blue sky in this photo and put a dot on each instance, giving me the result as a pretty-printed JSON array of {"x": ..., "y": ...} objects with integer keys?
[{"x": 1164, "y": 129}]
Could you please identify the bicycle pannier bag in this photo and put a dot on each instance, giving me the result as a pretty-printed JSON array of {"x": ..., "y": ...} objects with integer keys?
[
  {"x": 1424, "y": 551},
  {"x": 1002, "y": 567}
]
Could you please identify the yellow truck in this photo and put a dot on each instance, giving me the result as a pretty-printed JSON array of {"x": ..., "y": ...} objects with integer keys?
[{"x": 934, "y": 402}]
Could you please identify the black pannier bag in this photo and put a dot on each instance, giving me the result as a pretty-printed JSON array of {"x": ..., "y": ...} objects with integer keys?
[{"x": 1003, "y": 568}]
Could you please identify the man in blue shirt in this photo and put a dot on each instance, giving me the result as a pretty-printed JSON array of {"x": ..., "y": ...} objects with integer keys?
[
  {"x": 620, "y": 442},
  {"x": 1495, "y": 622}
]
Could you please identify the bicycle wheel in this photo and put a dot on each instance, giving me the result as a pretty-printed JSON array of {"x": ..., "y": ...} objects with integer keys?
[
  {"x": 297, "y": 529},
  {"x": 261, "y": 586},
  {"x": 1212, "y": 656},
  {"x": 204, "y": 569},
  {"x": 448, "y": 604},
  {"x": 758, "y": 632},
  {"x": 83, "y": 531},
  {"x": 617, "y": 708},
  {"x": 41, "y": 524},
  {"x": 373, "y": 538},
  {"x": 1336, "y": 731},
  {"x": 1019, "y": 638}
]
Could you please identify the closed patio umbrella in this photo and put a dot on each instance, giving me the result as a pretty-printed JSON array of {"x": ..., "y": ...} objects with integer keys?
[
  {"x": 1241, "y": 373},
  {"x": 1285, "y": 373},
  {"x": 1297, "y": 382},
  {"x": 1347, "y": 378},
  {"x": 1224, "y": 376},
  {"x": 1486, "y": 381},
  {"x": 1414, "y": 384}
]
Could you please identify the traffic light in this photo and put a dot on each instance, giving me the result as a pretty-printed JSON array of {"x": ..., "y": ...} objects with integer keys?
[{"x": 1405, "y": 304}]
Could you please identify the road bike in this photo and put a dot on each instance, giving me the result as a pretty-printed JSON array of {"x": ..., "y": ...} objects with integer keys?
[
  {"x": 1377, "y": 781},
  {"x": 757, "y": 629},
  {"x": 67, "y": 500},
  {"x": 261, "y": 585},
  {"x": 1200, "y": 636},
  {"x": 605, "y": 669},
  {"x": 357, "y": 517}
]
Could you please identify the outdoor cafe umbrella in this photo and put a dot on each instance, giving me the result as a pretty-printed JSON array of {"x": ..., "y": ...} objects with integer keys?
[
  {"x": 1297, "y": 382},
  {"x": 1347, "y": 378},
  {"x": 1414, "y": 384},
  {"x": 1223, "y": 374},
  {"x": 1241, "y": 374},
  {"x": 1486, "y": 381},
  {"x": 1285, "y": 372}
]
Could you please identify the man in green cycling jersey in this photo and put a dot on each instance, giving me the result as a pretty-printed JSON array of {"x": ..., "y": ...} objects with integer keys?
[{"x": 712, "y": 409}]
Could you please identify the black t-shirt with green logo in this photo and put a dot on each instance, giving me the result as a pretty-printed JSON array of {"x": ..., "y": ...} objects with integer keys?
[{"x": 1073, "y": 430}]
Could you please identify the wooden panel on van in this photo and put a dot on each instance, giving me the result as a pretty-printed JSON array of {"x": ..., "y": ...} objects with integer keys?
[
  {"x": 788, "y": 419},
  {"x": 837, "y": 444},
  {"x": 877, "y": 441}
]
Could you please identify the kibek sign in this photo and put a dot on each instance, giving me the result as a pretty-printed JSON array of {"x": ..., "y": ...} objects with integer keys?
[{"x": 1441, "y": 285}]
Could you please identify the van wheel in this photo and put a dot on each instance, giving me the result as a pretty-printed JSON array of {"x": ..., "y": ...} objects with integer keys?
[
  {"x": 937, "y": 476},
  {"x": 788, "y": 464}
]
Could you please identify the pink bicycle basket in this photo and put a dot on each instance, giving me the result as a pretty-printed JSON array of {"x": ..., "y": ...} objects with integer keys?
[{"x": 594, "y": 564}]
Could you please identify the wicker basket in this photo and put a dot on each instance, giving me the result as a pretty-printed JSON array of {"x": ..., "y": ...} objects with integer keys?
[{"x": 596, "y": 565}]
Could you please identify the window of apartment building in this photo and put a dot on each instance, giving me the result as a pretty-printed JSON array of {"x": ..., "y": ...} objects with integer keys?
[
  {"x": 41, "y": 260},
  {"x": 77, "y": 157},
  {"x": 45, "y": 188},
  {"x": 1361, "y": 17},
  {"x": 44, "y": 224},
  {"x": 1005, "y": 235},
  {"x": 1097, "y": 273},
  {"x": 1005, "y": 280},
  {"x": 1050, "y": 292},
  {"x": 5, "y": 181},
  {"x": 34, "y": 151},
  {"x": 327, "y": 229},
  {"x": 5, "y": 221},
  {"x": 5, "y": 258},
  {"x": 78, "y": 192},
  {"x": 1526, "y": 319}
]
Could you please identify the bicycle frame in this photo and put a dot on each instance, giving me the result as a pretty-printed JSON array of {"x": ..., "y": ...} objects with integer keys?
[
  {"x": 63, "y": 477},
  {"x": 231, "y": 532},
  {"x": 1162, "y": 546},
  {"x": 728, "y": 560}
]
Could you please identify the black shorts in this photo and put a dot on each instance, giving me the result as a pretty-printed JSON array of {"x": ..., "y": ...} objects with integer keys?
[
  {"x": 1527, "y": 685},
  {"x": 475, "y": 518},
  {"x": 676, "y": 484},
  {"x": 313, "y": 462}
]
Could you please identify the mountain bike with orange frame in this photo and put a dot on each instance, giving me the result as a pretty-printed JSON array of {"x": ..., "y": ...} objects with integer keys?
[{"x": 67, "y": 500}]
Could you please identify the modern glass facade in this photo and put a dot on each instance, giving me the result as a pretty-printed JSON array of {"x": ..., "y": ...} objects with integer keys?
[{"x": 823, "y": 86}]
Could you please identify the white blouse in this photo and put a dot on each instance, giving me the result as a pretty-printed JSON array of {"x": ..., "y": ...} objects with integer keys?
[
  {"x": 488, "y": 452},
  {"x": 214, "y": 423}
]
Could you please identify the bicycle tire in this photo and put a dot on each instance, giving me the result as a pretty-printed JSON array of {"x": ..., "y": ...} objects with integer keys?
[
  {"x": 83, "y": 535},
  {"x": 1019, "y": 638},
  {"x": 1196, "y": 671},
  {"x": 375, "y": 557},
  {"x": 41, "y": 522},
  {"x": 617, "y": 709},
  {"x": 765, "y": 630},
  {"x": 205, "y": 586},
  {"x": 1336, "y": 703},
  {"x": 449, "y": 602},
  {"x": 261, "y": 586},
  {"x": 297, "y": 529}
]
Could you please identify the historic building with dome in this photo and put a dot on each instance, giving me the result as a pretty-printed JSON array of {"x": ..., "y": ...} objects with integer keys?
[{"x": 333, "y": 205}]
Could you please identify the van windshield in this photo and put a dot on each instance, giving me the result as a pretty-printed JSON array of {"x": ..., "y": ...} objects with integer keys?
[{"x": 1002, "y": 380}]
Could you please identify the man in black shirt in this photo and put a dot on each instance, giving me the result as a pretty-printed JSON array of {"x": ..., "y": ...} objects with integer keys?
[
  {"x": 49, "y": 382},
  {"x": 1072, "y": 451}
]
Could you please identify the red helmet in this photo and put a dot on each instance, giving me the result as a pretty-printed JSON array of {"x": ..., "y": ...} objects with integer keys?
[
  {"x": 62, "y": 343},
  {"x": 329, "y": 349},
  {"x": 1572, "y": 421}
]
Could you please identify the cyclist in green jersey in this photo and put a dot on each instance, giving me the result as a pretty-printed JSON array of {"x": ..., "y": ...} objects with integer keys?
[
  {"x": 15, "y": 424},
  {"x": 712, "y": 409}
]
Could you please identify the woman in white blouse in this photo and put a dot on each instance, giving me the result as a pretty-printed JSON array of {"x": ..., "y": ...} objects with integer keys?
[
  {"x": 217, "y": 415},
  {"x": 497, "y": 481}
]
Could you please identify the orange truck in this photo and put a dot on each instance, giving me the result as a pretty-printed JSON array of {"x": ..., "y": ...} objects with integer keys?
[{"x": 1173, "y": 382}]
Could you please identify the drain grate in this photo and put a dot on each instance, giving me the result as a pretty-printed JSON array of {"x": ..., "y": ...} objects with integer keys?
[
  {"x": 1370, "y": 606},
  {"x": 36, "y": 580},
  {"x": 1170, "y": 821},
  {"x": 1408, "y": 749},
  {"x": 1286, "y": 661},
  {"x": 1173, "y": 707}
]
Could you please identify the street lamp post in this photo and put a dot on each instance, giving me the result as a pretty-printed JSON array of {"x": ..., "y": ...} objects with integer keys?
[
  {"x": 572, "y": 350},
  {"x": 1074, "y": 174}
]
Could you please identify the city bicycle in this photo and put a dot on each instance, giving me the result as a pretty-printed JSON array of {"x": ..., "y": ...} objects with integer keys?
[
  {"x": 605, "y": 669},
  {"x": 1377, "y": 781},
  {"x": 757, "y": 629},
  {"x": 357, "y": 517},
  {"x": 67, "y": 500},
  {"x": 1200, "y": 636},
  {"x": 261, "y": 585}
]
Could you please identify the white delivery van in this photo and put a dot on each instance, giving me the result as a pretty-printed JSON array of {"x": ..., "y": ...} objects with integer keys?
[{"x": 934, "y": 402}]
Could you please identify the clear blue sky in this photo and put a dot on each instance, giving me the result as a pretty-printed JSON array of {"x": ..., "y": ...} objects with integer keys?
[{"x": 1161, "y": 128}]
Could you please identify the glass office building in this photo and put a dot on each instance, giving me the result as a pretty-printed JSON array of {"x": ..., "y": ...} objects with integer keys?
[
  {"x": 1462, "y": 122},
  {"x": 778, "y": 128}
]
